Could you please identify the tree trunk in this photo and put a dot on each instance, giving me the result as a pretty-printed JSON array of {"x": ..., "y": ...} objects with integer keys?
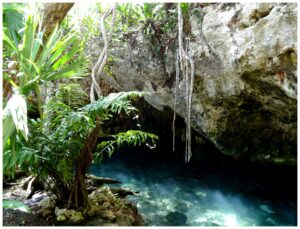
[
  {"x": 79, "y": 192},
  {"x": 54, "y": 13}
]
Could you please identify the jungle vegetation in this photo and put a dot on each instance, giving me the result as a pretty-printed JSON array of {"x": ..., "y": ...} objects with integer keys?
[{"x": 51, "y": 127}]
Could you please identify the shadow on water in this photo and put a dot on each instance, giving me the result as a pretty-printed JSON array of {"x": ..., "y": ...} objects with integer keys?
[{"x": 211, "y": 192}]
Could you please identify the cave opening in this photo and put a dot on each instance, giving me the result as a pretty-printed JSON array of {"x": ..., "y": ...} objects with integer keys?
[{"x": 160, "y": 175}]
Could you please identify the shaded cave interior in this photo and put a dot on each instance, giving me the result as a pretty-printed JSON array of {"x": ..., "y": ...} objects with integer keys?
[{"x": 268, "y": 180}]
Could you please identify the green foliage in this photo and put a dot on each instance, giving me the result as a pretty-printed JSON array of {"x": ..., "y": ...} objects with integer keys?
[
  {"x": 156, "y": 21},
  {"x": 14, "y": 124},
  {"x": 90, "y": 27},
  {"x": 55, "y": 142},
  {"x": 199, "y": 14},
  {"x": 25, "y": 158},
  {"x": 15, "y": 117},
  {"x": 72, "y": 95},
  {"x": 184, "y": 8},
  {"x": 130, "y": 137},
  {"x": 13, "y": 19},
  {"x": 113, "y": 103},
  {"x": 39, "y": 61},
  {"x": 16, "y": 205}
]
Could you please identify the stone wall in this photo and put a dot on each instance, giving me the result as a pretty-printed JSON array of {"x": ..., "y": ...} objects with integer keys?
[{"x": 245, "y": 91}]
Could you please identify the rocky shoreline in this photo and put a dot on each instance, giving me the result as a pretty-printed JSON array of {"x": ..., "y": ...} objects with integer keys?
[{"x": 105, "y": 208}]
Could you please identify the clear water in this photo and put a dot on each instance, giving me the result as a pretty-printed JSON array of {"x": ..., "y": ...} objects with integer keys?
[{"x": 209, "y": 201}]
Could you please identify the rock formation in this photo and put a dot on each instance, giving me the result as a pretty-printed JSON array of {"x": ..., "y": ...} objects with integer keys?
[{"x": 245, "y": 90}]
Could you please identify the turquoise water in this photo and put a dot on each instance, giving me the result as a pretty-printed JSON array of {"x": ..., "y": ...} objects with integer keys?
[{"x": 172, "y": 195}]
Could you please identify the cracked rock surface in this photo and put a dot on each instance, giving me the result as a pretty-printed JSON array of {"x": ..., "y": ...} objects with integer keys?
[{"x": 245, "y": 90}]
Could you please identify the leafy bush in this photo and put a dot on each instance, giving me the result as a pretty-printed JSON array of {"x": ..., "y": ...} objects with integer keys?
[
  {"x": 38, "y": 61},
  {"x": 58, "y": 146}
]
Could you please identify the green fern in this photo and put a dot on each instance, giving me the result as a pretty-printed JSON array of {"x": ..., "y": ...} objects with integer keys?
[
  {"x": 114, "y": 103},
  {"x": 130, "y": 137},
  {"x": 72, "y": 95}
]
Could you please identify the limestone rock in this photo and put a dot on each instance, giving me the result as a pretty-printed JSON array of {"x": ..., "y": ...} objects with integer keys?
[
  {"x": 59, "y": 211},
  {"x": 108, "y": 214},
  {"x": 245, "y": 90},
  {"x": 70, "y": 212},
  {"x": 94, "y": 210},
  {"x": 60, "y": 214},
  {"x": 48, "y": 203},
  {"x": 124, "y": 219},
  {"x": 61, "y": 218},
  {"x": 77, "y": 217},
  {"x": 47, "y": 206}
]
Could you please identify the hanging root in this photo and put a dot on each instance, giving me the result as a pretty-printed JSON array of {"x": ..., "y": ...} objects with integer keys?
[
  {"x": 97, "y": 69},
  {"x": 175, "y": 100},
  {"x": 188, "y": 73}
]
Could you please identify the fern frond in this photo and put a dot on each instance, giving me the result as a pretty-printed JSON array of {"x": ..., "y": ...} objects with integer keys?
[
  {"x": 114, "y": 103},
  {"x": 130, "y": 137}
]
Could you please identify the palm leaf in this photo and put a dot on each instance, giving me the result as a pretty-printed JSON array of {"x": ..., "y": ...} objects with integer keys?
[
  {"x": 16, "y": 108},
  {"x": 13, "y": 19},
  {"x": 67, "y": 57},
  {"x": 74, "y": 70},
  {"x": 8, "y": 125},
  {"x": 60, "y": 48},
  {"x": 7, "y": 40},
  {"x": 38, "y": 42},
  {"x": 114, "y": 103},
  {"x": 47, "y": 50},
  {"x": 29, "y": 34},
  {"x": 130, "y": 137}
]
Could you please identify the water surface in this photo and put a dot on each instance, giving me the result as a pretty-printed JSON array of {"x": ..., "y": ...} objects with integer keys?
[{"x": 171, "y": 194}]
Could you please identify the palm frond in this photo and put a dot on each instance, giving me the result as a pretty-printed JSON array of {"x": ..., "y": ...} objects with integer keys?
[
  {"x": 29, "y": 36},
  {"x": 16, "y": 111},
  {"x": 13, "y": 19}
]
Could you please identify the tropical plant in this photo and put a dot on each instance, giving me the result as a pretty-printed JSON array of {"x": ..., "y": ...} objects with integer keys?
[
  {"x": 13, "y": 19},
  {"x": 66, "y": 146},
  {"x": 39, "y": 62}
]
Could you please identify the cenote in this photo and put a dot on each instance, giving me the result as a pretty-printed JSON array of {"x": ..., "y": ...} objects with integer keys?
[
  {"x": 149, "y": 114},
  {"x": 214, "y": 191}
]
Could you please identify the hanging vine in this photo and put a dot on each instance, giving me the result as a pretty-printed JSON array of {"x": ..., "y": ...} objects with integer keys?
[
  {"x": 98, "y": 67},
  {"x": 187, "y": 70},
  {"x": 176, "y": 97}
]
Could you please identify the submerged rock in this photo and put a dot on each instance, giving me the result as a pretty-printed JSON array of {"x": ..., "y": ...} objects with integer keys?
[
  {"x": 266, "y": 209},
  {"x": 176, "y": 218}
]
